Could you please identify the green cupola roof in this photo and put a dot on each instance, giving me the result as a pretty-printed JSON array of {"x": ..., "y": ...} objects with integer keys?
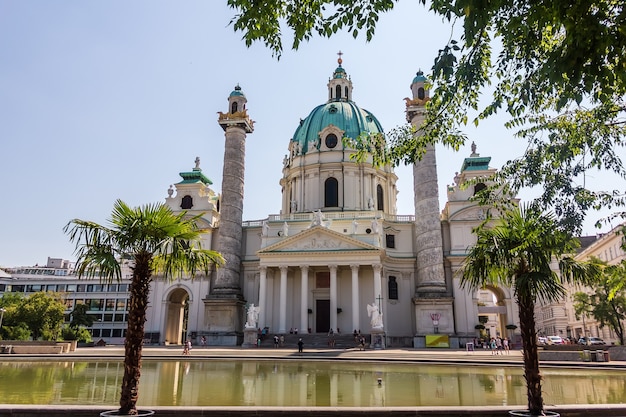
[
  {"x": 237, "y": 92},
  {"x": 339, "y": 111},
  {"x": 419, "y": 77},
  {"x": 195, "y": 176}
]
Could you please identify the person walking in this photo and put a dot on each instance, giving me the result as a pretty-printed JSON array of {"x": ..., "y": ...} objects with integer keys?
[{"x": 300, "y": 345}]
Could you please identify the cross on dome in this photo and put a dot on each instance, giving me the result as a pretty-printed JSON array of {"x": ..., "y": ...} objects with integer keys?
[{"x": 339, "y": 60}]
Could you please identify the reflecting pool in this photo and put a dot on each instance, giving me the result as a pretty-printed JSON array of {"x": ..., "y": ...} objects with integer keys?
[{"x": 301, "y": 383}]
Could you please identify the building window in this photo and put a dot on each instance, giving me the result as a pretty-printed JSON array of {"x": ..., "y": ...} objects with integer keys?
[
  {"x": 346, "y": 89},
  {"x": 331, "y": 192},
  {"x": 392, "y": 288},
  {"x": 233, "y": 107},
  {"x": 186, "y": 203},
  {"x": 421, "y": 94},
  {"x": 338, "y": 92},
  {"x": 479, "y": 187},
  {"x": 380, "y": 201},
  {"x": 391, "y": 241},
  {"x": 331, "y": 141}
]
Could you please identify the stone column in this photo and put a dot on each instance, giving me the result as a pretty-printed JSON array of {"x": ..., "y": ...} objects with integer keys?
[
  {"x": 431, "y": 293},
  {"x": 355, "y": 296},
  {"x": 333, "y": 297},
  {"x": 304, "y": 298},
  {"x": 225, "y": 303},
  {"x": 430, "y": 276},
  {"x": 377, "y": 281},
  {"x": 262, "y": 296},
  {"x": 282, "y": 300}
]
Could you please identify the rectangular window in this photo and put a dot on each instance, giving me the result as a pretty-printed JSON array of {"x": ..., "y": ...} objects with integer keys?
[
  {"x": 52, "y": 288},
  {"x": 110, "y": 305},
  {"x": 2, "y": 287},
  {"x": 69, "y": 304},
  {"x": 95, "y": 332},
  {"x": 71, "y": 288},
  {"x": 17, "y": 288},
  {"x": 95, "y": 304},
  {"x": 120, "y": 304},
  {"x": 123, "y": 288},
  {"x": 81, "y": 288},
  {"x": 61, "y": 287},
  {"x": 106, "y": 332},
  {"x": 119, "y": 318},
  {"x": 108, "y": 317},
  {"x": 392, "y": 288},
  {"x": 391, "y": 241},
  {"x": 117, "y": 332}
]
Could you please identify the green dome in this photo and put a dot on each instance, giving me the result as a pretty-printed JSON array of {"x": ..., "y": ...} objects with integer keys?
[
  {"x": 346, "y": 115},
  {"x": 237, "y": 92},
  {"x": 419, "y": 77}
]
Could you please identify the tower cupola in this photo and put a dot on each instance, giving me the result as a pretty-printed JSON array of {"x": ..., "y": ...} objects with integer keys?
[
  {"x": 419, "y": 87},
  {"x": 340, "y": 85}
]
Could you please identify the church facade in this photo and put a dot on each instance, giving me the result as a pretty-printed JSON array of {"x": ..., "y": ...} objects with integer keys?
[{"x": 337, "y": 256}]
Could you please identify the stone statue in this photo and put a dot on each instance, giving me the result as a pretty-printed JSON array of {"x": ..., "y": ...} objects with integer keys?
[
  {"x": 285, "y": 229},
  {"x": 294, "y": 206},
  {"x": 197, "y": 161},
  {"x": 253, "y": 316},
  {"x": 266, "y": 228},
  {"x": 318, "y": 218},
  {"x": 375, "y": 226},
  {"x": 370, "y": 203},
  {"x": 355, "y": 225},
  {"x": 376, "y": 317},
  {"x": 170, "y": 190}
]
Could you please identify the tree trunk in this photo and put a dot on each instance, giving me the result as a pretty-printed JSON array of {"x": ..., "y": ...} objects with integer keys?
[
  {"x": 531, "y": 356},
  {"x": 133, "y": 344}
]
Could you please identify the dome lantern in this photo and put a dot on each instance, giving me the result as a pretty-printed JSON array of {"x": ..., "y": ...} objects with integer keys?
[{"x": 340, "y": 85}]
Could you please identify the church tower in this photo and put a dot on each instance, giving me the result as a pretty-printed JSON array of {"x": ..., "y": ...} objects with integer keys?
[
  {"x": 433, "y": 304},
  {"x": 225, "y": 302}
]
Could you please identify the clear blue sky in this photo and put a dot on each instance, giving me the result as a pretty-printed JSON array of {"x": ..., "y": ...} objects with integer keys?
[{"x": 112, "y": 99}]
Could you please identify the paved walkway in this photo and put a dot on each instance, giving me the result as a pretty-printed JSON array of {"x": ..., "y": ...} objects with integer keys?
[{"x": 478, "y": 357}]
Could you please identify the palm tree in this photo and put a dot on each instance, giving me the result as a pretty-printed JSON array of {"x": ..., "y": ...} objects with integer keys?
[
  {"x": 158, "y": 241},
  {"x": 518, "y": 252}
]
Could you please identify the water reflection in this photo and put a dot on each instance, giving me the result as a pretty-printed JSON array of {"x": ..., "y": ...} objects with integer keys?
[{"x": 272, "y": 383}]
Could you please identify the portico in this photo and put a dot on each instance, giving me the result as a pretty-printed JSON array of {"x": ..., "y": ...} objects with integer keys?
[{"x": 298, "y": 288}]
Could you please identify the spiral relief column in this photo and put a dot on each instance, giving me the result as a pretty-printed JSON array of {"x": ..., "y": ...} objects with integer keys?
[
  {"x": 225, "y": 302},
  {"x": 431, "y": 295}
]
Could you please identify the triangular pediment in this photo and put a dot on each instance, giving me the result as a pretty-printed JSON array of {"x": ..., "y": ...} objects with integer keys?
[{"x": 318, "y": 239}]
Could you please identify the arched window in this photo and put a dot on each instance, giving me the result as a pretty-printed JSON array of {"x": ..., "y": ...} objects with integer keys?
[
  {"x": 233, "y": 107},
  {"x": 346, "y": 92},
  {"x": 380, "y": 201},
  {"x": 479, "y": 187},
  {"x": 392, "y": 288},
  {"x": 331, "y": 192},
  {"x": 186, "y": 203},
  {"x": 338, "y": 92},
  {"x": 421, "y": 93}
]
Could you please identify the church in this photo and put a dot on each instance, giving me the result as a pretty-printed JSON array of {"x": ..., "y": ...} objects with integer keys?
[{"x": 337, "y": 255}]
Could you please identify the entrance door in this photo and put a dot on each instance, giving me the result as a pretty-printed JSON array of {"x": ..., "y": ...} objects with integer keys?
[{"x": 322, "y": 316}]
